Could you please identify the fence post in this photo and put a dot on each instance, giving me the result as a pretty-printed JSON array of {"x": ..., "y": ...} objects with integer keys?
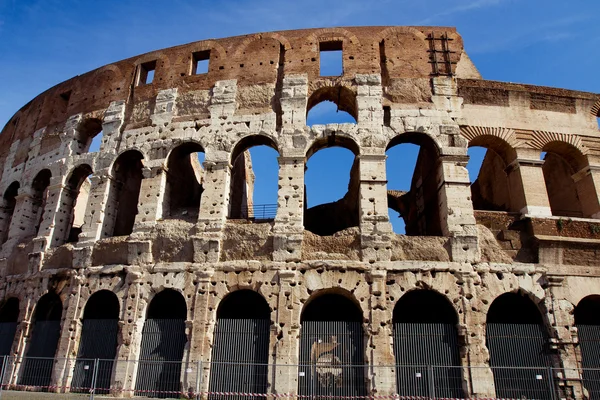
[
  {"x": 4, "y": 367},
  {"x": 198, "y": 379},
  {"x": 94, "y": 378},
  {"x": 430, "y": 382},
  {"x": 551, "y": 384}
]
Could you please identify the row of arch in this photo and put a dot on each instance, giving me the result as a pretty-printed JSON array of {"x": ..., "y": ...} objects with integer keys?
[
  {"x": 497, "y": 188},
  {"x": 332, "y": 343}
]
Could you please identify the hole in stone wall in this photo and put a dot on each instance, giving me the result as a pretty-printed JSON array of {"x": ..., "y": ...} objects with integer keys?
[
  {"x": 514, "y": 308},
  {"x": 75, "y": 201},
  {"x": 244, "y": 304},
  {"x": 89, "y": 136},
  {"x": 332, "y": 104},
  {"x": 332, "y": 191},
  {"x": 40, "y": 195},
  {"x": 331, "y": 307},
  {"x": 331, "y": 58},
  {"x": 400, "y": 167},
  {"x": 200, "y": 60},
  {"x": 587, "y": 311},
  {"x": 424, "y": 306},
  {"x": 185, "y": 180},
  {"x": 490, "y": 188},
  {"x": 167, "y": 304},
  {"x": 122, "y": 203},
  {"x": 146, "y": 73}
]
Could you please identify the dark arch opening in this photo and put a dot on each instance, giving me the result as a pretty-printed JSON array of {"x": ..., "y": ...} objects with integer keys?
[
  {"x": 40, "y": 196},
  {"x": 241, "y": 344},
  {"x": 9, "y": 315},
  {"x": 163, "y": 343},
  {"x": 519, "y": 348},
  {"x": 254, "y": 179},
  {"x": 411, "y": 172},
  {"x": 490, "y": 186},
  {"x": 99, "y": 339},
  {"x": 587, "y": 320},
  {"x": 121, "y": 207},
  {"x": 587, "y": 311},
  {"x": 185, "y": 179},
  {"x": 89, "y": 135},
  {"x": 37, "y": 369},
  {"x": 332, "y": 347},
  {"x": 324, "y": 106},
  {"x": 425, "y": 335},
  {"x": 332, "y": 186},
  {"x": 8, "y": 209},
  {"x": 74, "y": 202}
]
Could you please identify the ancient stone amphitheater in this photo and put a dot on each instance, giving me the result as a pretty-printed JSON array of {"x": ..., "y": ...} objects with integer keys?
[{"x": 154, "y": 267}]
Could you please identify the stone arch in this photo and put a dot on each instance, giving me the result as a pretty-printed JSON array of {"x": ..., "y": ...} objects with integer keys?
[
  {"x": 9, "y": 317},
  {"x": 74, "y": 199},
  {"x": 515, "y": 325},
  {"x": 122, "y": 203},
  {"x": 503, "y": 141},
  {"x": 595, "y": 110},
  {"x": 163, "y": 65},
  {"x": 241, "y": 343},
  {"x": 39, "y": 197},
  {"x": 260, "y": 36},
  {"x": 87, "y": 129},
  {"x": 8, "y": 209},
  {"x": 43, "y": 341},
  {"x": 117, "y": 74},
  {"x": 332, "y": 341},
  {"x": 335, "y": 139},
  {"x": 419, "y": 205},
  {"x": 343, "y": 96},
  {"x": 98, "y": 340},
  {"x": 328, "y": 34},
  {"x": 163, "y": 343},
  {"x": 184, "y": 181},
  {"x": 425, "y": 334},
  {"x": 206, "y": 45}
]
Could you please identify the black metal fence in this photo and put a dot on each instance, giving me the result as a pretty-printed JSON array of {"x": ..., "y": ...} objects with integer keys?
[{"x": 325, "y": 379}]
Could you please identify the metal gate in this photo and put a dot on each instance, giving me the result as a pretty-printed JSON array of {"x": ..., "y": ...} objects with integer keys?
[
  {"x": 98, "y": 341},
  {"x": 428, "y": 360},
  {"x": 240, "y": 355},
  {"x": 37, "y": 366},
  {"x": 7, "y": 336},
  {"x": 524, "y": 346},
  {"x": 159, "y": 369},
  {"x": 332, "y": 359},
  {"x": 589, "y": 340}
]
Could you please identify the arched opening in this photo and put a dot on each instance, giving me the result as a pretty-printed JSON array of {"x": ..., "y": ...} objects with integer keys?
[
  {"x": 74, "y": 202},
  {"x": 9, "y": 316},
  {"x": 39, "y": 197},
  {"x": 331, "y": 348},
  {"x": 241, "y": 344},
  {"x": 121, "y": 206},
  {"x": 89, "y": 136},
  {"x": 411, "y": 171},
  {"x": 185, "y": 179},
  {"x": 254, "y": 179},
  {"x": 163, "y": 343},
  {"x": 517, "y": 341},
  {"x": 426, "y": 345},
  {"x": 100, "y": 327},
  {"x": 561, "y": 162},
  {"x": 332, "y": 186},
  {"x": 41, "y": 349},
  {"x": 8, "y": 209},
  {"x": 331, "y": 105},
  {"x": 587, "y": 321}
]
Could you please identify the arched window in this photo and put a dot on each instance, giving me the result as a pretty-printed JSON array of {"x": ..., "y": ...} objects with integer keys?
[
  {"x": 490, "y": 187},
  {"x": 241, "y": 344},
  {"x": 331, "y": 348},
  {"x": 43, "y": 341},
  {"x": 121, "y": 206},
  {"x": 254, "y": 179},
  {"x": 411, "y": 171},
  {"x": 89, "y": 136},
  {"x": 74, "y": 201},
  {"x": 331, "y": 105},
  {"x": 426, "y": 345},
  {"x": 587, "y": 321},
  {"x": 99, "y": 332},
  {"x": 332, "y": 186},
  {"x": 39, "y": 196},
  {"x": 9, "y": 315},
  {"x": 8, "y": 209},
  {"x": 185, "y": 179},
  {"x": 163, "y": 342},
  {"x": 518, "y": 344}
]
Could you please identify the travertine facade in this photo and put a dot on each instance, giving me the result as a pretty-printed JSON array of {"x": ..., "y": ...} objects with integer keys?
[{"x": 527, "y": 225}]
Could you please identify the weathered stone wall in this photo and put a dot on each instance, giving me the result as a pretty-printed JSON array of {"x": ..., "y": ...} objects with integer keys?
[{"x": 258, "y": 91}]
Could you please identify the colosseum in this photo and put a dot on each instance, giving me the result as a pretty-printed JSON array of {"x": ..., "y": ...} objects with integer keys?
[{"x": 137, "y": 270}]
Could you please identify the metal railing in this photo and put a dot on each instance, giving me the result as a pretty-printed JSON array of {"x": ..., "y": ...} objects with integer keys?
[
  {"x": 261, "y": 212},
  {"x": 25, "y": 378}
]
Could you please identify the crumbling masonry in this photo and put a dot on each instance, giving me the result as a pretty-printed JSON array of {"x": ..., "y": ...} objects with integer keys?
[{"x": 107, "y": 235}]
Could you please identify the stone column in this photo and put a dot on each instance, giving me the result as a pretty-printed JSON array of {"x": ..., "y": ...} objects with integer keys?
[
  {"x": 456, "y": 209},
  {"x": 368, "y": 100},
  {"x": 294, "y": 97},
  {"x": 375, "y": 227},
  {"x": 288, "y": 229},
  {"x": 527, "y": 184},
  {"x": 56, "y": 216},
  {"x": 287, "y": 347},
  {"x": 152, "y": 192},
  {"x": 213, "y": 209},
  {"x": 587, "y": 182},
  {"x": 98, "y": 208},
  {"x": 381, "y": 357}
]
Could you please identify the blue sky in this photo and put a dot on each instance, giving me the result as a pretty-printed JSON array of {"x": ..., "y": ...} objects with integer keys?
[{"x": 42, "y": 43}]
